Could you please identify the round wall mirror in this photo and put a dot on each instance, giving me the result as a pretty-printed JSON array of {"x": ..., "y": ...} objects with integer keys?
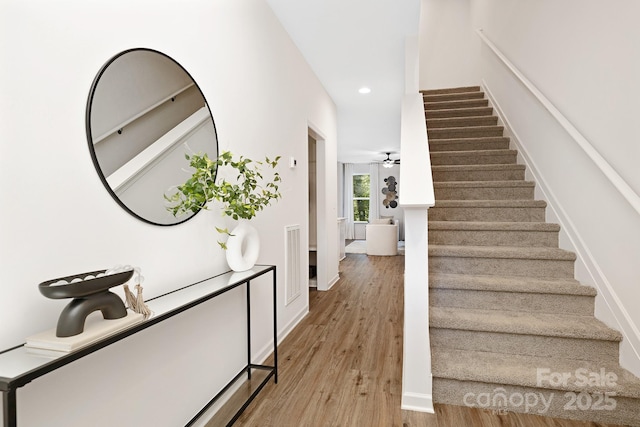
[{"x": 144, "y": 113}]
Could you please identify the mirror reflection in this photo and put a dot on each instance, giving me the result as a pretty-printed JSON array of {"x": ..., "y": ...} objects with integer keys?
[{"x": 144, "y": 114}]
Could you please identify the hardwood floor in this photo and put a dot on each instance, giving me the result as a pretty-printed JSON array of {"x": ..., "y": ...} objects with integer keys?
[{"x": 342, "y": 365}]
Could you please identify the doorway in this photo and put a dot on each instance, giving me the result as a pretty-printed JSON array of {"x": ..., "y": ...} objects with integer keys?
[
  {"x": 313, "y": 212},
  {"x": 318, "y": 225}
]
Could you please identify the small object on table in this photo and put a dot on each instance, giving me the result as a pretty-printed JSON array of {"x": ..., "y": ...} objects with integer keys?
[{"x": 90, "y": 292}]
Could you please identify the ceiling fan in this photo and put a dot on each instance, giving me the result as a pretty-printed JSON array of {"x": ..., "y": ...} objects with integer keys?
[{"x": 389, "y": 162}]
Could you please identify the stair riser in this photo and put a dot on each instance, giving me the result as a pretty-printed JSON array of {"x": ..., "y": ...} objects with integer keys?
[
  {"x": 493, "y": 238},
  {"x": 441, "y": 159},
  {"x": 502, "y": 266},
  {"x": 484, "y": 395},
  {"x": 487, "y": 214},
  {"x": 581, "y": 305},
  {"x": 482, "y": 175},
  {"x": 484, "y": 193},
  {"x": 525, "y": 345},
  {"x": 444, "y": 123},
  {"x": 464, "y": 145},
  {"x": 451, "y": 105},
  {"x": 453, "y": 96},
  {"x": 460, "y": 112},
  {"x": 470, "y": 132}
]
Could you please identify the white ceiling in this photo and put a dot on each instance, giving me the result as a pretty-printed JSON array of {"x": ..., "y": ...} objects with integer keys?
[{"x": 350, "y": 44}]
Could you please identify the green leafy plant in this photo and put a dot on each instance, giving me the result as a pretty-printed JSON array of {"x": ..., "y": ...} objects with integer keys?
[{"x": 243, "y": 199}]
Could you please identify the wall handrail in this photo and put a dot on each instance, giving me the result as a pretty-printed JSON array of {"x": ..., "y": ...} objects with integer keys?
[
  {"x": 618, "y": 182},
  {"x": 141, "y": 113},
  {"x": 128, "y": 172}
]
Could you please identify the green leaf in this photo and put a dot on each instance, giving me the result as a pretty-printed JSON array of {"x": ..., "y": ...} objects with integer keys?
[
  {"x": 250, "y": 193},
  {"x": 223, "y": 230}
]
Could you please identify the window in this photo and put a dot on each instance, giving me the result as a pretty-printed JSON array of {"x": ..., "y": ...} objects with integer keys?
[{"x": 361, "y": 197}]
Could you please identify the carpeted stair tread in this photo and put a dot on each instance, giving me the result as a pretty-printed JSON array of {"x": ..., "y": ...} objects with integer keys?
[
  {"x": 493, "y": 233},
  {"x": 491, "y": 203},
  {"x": 448, "y": 105},
  {"x": 499, "y": 368},
  {"x": 450, "y": 90},
  {"x": 477, "y": 172},
  {"x": 466, "y": 157},
  {"x": 460, "y": 112},
  {"x": 509, "y": 284},
  {"x": 488, "y": 226},
  {"x": 452, "y": 122},
  {"x": 456, "y": 96},
  {"x": 483, "y": 184},
  {"x": 478, "y": 153},
  {"x": 484, "y": 190},
  {"x": 503, "y": 252},
  {"x": 465, "y": 132},
  {"x": 568, "y": 298},
  {"x": 521, "y": 323},
  {"x": 484, "y": 167},
  {"x": 489, "y": 210},
  {"x": 469, "y": 144}
]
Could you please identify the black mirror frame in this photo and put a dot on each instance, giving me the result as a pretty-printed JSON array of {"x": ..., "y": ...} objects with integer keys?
[{"x": 92, "y": 151}]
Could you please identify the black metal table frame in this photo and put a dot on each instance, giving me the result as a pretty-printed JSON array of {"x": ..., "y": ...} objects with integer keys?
[{"x": 9, "y": 386}]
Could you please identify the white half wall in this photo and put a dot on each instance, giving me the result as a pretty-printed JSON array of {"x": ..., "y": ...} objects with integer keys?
[{"x": 57, "y": 218}]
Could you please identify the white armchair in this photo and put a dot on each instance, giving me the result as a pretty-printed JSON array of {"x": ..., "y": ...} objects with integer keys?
[{"x": 382, "y": 237}]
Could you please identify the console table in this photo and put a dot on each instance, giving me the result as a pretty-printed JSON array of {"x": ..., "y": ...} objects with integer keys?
[{"x": 18, "y": 366}]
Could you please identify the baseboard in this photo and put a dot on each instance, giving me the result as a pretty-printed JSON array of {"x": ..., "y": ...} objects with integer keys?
[
  {"x": 266, "y": 351},
  {"x": 417, "y": 402},
  {"x": 333, "y": 281},
  {"x": 630, "y": 347}
]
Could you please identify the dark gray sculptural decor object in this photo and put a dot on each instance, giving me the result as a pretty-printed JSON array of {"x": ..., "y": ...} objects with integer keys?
[
  {"x": 88, "y": 296},
  {"x": 391, "y": 193}
]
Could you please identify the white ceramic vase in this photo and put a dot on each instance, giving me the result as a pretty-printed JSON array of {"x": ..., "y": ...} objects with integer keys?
[{"x": 243, "y": 247}]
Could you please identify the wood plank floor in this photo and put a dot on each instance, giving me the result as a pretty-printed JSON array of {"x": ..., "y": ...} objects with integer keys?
[{"x": 342, "y": 365}]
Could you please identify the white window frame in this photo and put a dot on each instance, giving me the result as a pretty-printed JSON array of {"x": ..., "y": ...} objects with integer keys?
[{"x": 359, "y": 198}]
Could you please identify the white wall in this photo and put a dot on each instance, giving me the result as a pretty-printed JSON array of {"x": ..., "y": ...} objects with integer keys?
[
  {"x": 57, "y": 218},
  {"x": 448, "y": 45},
  {"x": 583, "y": 56}
]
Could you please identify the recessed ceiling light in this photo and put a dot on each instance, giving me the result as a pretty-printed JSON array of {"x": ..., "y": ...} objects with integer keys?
[{"x": 364, "y": 90}]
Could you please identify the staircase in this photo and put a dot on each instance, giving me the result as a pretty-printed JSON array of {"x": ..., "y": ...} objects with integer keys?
[{"x": 511, "y": 329}]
